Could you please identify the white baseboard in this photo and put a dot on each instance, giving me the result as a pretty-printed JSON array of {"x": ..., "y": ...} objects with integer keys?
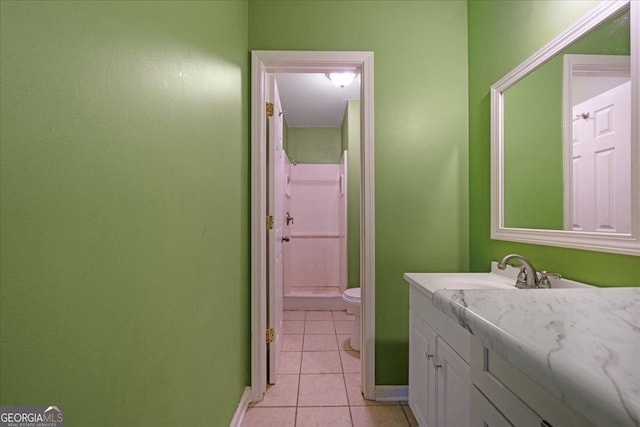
[
  {"x": 392, "y": 393},
  {"x": 242, "y": 408},
  {"x": 333, "y": 302}
]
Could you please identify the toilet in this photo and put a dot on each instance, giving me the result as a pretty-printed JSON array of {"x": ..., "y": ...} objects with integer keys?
[{"x": 351, "y": 298}]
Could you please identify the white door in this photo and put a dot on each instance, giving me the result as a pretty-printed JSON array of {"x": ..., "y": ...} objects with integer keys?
[
  {"x": 454, "y": 387},
  {"x": 275, "y": 202},
  {"x": 601, "y": 163},
  {"x": 422, "y": 349}
]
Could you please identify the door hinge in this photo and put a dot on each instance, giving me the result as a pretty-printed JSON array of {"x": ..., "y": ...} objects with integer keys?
[
  {"x": 269, "y": 335},
  {"x": 269, "y": 222},
  {"x": 269, "y": 109}
]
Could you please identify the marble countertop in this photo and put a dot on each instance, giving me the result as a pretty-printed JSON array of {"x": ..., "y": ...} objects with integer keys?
[
  {"x": 583, "y": 345},
  {"x": 429, "y": 283}
]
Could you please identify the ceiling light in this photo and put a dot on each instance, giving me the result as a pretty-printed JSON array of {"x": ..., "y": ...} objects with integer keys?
[{"x": 341, "y": 79}]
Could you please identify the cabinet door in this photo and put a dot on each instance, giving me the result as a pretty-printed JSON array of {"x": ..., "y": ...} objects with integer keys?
[
  {"x": 483, "y": 413},
  {"x": 453, "y": 387},
  {"x": 422, "y": 347}
]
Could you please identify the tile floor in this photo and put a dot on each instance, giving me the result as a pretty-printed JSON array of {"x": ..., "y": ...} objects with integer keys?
[{"x": 318, "y": 380}]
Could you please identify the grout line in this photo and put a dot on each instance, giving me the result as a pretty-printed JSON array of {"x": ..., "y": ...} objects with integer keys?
[
  {"x": 406, "y": 415},
  {"x": 295, "y": 418},
  {"x": 270, "y": 407},
  {"x": 344, "y": 379}
]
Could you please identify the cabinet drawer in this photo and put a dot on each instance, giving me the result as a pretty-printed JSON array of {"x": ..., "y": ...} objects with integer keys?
[
  {"x": 517, "y": 396},
  {"x": 484, "y": 414},
  {"x": 456, "y": 336}
]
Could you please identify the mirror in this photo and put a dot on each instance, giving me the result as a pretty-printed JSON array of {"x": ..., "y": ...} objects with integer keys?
[{"x": 564, "y": 139}]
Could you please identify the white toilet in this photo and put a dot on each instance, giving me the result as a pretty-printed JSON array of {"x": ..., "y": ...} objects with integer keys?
[{"x": 351, "y": 298}]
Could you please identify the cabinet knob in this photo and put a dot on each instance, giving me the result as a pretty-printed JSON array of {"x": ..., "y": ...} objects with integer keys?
[
  {"x": 429, "y": 356},
  {"x": 437, "y": 365}
]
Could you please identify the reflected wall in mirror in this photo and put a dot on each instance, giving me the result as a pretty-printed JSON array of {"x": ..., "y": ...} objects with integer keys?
[
  {"x": 534, "y": 166},
  {"x": 564, "y": 139}
]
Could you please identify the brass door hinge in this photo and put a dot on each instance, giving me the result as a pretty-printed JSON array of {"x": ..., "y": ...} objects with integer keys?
[
  {"x": 269, "y": 222},
  {"x": 269, "y": 335},
  {"x": 269, "y": 109}
]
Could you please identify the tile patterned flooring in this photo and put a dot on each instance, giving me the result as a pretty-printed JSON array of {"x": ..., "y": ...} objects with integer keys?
[{"x": 318, "y": 380}]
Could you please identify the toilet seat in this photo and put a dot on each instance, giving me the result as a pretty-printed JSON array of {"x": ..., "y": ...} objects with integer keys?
[{"x": 352, "y": 294}]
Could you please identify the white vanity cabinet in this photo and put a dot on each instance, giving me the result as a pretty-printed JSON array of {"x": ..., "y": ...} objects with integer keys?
[
  {"x": 439, "y": 374},
  {"x": 559, "y": 357}
]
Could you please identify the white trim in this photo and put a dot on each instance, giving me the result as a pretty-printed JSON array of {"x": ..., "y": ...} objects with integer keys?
[
  {"x": 258, "y": 234},
  {"x": 238, "y": 416},
  {"x": 301, "y": 61},
  {"x": 367, "y": 231},
  {"x": 392, "y": 393},
  {"x": 604, "y": 242}
]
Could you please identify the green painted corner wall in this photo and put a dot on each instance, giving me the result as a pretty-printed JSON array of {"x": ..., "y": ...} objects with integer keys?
[
  {"x": 421, "y": 180},
  {"x": 351, "y": 142},
  {"x": 314, "y": 145},
  {"x": 125, "y": 210},
  {"x": 501, "y": 36}
]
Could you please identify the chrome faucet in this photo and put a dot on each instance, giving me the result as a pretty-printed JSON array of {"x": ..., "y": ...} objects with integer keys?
[{"x": 527, "y": 278}]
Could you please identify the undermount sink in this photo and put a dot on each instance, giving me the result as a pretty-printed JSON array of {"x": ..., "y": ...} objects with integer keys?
[{"x": 473, "y": 281}]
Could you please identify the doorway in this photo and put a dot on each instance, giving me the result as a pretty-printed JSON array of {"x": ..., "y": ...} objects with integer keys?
[
  {"x": 264, "y": 65},
  {"x": 321, "y": 145}
]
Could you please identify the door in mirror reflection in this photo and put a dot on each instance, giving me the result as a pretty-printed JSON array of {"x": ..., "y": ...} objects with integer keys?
[{"x": 600, "y": 190}]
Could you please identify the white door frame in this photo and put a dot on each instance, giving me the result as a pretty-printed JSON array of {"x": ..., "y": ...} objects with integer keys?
[{"x": 263, "y": 62}]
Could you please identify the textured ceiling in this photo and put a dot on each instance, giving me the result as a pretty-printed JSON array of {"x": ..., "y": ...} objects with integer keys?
[{"x": 312, "y": 100}]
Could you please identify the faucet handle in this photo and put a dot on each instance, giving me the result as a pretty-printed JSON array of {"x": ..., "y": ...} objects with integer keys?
[
  {"x": 521, "y": 281},
  {"x": 544, "y": 279}
]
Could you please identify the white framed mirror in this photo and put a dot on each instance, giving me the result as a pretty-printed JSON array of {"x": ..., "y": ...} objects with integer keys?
[{"x": 565, "y": 153}]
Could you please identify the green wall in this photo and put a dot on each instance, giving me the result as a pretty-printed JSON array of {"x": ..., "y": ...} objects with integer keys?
[
  {"x": 501, "y": 36},
  {"x": 421, "y": 180},
  {"x": 314, "y": 145},
  {"x": 124, "y": 191},
  {"x": 351, "y": 142},
  {"x": 534, "y": 132}
]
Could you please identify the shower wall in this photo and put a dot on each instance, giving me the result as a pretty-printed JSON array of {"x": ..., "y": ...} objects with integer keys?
[{"x": 315, "y": 257}]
